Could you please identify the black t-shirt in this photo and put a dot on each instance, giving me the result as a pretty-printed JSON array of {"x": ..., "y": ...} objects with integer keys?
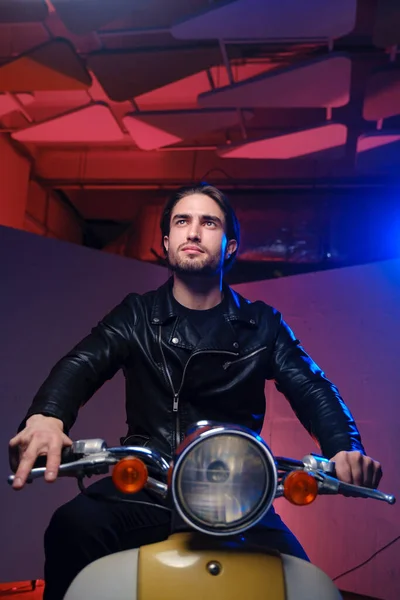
[{"x": 201, "y": 320}]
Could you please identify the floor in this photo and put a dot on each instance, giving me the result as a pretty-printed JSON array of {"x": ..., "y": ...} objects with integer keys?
[{"x": 21, "y": 590}]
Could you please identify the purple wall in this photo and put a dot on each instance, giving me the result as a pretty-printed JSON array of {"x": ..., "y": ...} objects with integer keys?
[
  {"x": 349, "y": 321},
  {"x": 53, "y": 293}
]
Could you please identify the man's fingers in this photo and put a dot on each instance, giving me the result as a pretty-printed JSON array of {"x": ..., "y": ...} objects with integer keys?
[
  {"x": 66, "y": 441},
  {"x": 15, "y": 440},
  {"x": 356, "y": 460},
  {"x": 342, "y": 467},
  {"x": 377, "y": 474},
  {"x": 25, "y": 465},
  {"x": 33, "y": 446},
  {"x": 53, "y": 461},
  {"x": 54, "y": 457},
  {"x": 368, "y": 472},
  {"x": 42, "y": 436},
  {"x": 354, "y": 467}
]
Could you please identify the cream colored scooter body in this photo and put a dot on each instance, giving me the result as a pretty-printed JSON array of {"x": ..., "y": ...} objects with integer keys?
[{"x": 178, "y": 569}]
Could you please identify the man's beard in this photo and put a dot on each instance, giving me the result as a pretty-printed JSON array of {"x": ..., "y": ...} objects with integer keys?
[{"x": 182, "y": 265}]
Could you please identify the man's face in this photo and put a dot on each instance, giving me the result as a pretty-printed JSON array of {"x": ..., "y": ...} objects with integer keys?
[{"x": 197, "y": 243}]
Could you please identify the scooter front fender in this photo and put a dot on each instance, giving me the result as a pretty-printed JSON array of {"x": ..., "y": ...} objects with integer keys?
[{"x": 188, "y": 566}]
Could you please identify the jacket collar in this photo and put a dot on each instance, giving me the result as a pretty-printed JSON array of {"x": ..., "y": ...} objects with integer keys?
[{"x": 237, "y": 307}]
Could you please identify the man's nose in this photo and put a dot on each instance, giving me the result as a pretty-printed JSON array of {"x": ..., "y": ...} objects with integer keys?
[{"x": 194, "y": 231}]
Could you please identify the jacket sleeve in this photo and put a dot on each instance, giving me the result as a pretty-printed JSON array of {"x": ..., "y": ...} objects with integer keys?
[
  {"x": 314, "y": 399},
  {"x": 80, "y": 373}
]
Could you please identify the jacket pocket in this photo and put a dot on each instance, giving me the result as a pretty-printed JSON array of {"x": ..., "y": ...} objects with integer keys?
[{"x": 229, "y": 363}]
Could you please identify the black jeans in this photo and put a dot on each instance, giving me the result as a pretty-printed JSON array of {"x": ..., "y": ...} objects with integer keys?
[{"x": 87, "y": 528}]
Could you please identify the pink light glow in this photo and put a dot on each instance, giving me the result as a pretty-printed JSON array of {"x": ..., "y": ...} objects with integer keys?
[
  {"x": 368, "y": 142},
  {"x": 148, "y": 137},
  {"x": 8, "y": 105},
  {"x": 291, "y": 145},
  {"x": 92, "y": 124}
]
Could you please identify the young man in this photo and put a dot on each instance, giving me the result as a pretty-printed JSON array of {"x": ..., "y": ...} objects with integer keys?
[{"x": 191, "y": 350}]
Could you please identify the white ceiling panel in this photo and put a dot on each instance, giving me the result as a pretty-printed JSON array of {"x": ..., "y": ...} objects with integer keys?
[
  {"x": 378, "y": 153},
  {"x": 147, "y": 136},
  {"x": 291, "y": 145},
  {"x": 184, "y": 93},
  {"x": 159, "y": 129},
  {"x": 286, "y": 19},
  {"x": 382, "y": 96},
  {"x": 71, "y": 98},
  {"x": 92, "y": 124},
  {"x": 376, "y": 140},
  {"x": 8, "y": 104},
  {"x": 181, "y": 93},
  {"x": 321, "y": 83}
]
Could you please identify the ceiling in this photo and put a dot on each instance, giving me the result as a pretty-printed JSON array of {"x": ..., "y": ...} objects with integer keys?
[{"x": 116, "y": 101}]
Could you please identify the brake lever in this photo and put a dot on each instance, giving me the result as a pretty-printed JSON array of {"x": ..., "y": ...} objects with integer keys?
[
  {"x": 96, "y": 464},
  {"x": 331, "y": 485}
]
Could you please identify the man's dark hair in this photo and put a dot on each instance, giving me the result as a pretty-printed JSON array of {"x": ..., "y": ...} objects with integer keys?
[{"x": 232, "y": 227}]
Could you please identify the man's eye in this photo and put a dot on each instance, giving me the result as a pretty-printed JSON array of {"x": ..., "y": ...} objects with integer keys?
[
  {"x": 210, "y": 223},
  {"x": 181, "y": 221}
]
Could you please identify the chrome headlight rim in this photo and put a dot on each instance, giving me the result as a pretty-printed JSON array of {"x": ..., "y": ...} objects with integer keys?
[{"x": 207, "y": 430}]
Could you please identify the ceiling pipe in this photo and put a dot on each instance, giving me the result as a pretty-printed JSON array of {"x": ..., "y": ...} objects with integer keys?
[
  {"x": 231, "y": 80},
  {"x": 126, "y": 32},
  {"x": 224, "y": 184},
  {"x": 105, "y": 33}
]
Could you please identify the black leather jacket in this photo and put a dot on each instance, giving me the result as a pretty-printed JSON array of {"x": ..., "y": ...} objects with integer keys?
[{"x": 172, "y": 381}]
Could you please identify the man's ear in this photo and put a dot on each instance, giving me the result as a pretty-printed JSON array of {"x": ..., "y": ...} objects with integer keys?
[
  {"x": 166, "y": 243},
  {"x": 231, "y": 247}
]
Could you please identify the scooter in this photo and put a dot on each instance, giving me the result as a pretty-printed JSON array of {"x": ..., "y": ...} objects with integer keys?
[{"x": 222, "y": 481}]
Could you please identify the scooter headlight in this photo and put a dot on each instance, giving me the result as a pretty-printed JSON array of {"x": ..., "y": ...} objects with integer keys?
[{"x": 224, "y": 479}]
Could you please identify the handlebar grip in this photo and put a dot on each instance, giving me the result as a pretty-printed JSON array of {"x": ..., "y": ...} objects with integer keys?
[
  {"x": 13, "y": 458},
  {"x": 67, "y": 455}
]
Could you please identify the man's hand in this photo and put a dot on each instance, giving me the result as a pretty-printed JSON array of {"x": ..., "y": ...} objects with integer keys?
[
  {"x": 42, "y": 436},
  {"x": 354, "y": 467}
]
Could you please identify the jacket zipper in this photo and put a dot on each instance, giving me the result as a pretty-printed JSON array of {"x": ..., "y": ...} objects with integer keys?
[
  {"x": 175, "y": 405},
  {"x": 176, "y": 398},
  {"x": 234, "y": 362}
]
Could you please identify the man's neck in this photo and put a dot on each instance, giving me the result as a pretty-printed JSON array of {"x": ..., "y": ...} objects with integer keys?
[{"x": 197, "y": 293}]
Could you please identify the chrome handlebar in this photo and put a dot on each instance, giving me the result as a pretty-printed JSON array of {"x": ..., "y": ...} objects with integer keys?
[
  {"x": 324, "y": 472},
  {"x": 331, "y": 485},
  {"x": 93, "y": 457}
]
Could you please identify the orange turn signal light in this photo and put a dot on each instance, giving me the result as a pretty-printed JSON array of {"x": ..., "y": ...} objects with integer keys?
[
  {"x": 130, "y": 475},
  {"x": 300, "y": 488}
]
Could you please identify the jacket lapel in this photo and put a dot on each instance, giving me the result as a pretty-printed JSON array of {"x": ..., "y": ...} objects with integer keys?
[{"x": 222, "y": 335}]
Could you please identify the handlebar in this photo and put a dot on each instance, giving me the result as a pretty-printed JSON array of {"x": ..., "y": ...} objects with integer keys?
[
  {"x": 331, "y": 485},
  {"x": 93, "y": 457}
]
